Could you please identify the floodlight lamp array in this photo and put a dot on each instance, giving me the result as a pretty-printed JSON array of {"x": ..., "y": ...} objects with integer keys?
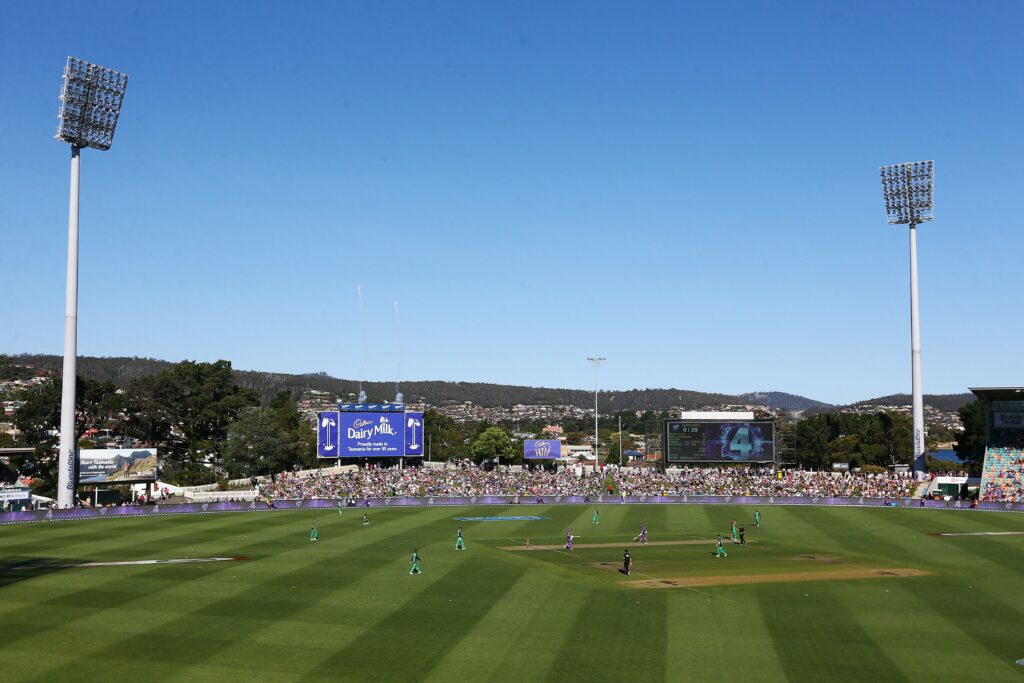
[
  {"x": 907, "y": 190},
  {"x": 90, "y": 102}
]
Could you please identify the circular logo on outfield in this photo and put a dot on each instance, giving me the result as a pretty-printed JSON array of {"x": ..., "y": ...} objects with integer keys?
[
  {"x": 522, "y": 518},
  {"x": 1020, "y": 662}
]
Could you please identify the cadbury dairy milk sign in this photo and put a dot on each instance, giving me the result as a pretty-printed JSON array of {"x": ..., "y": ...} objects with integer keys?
[{"x": 369, "y": 434}]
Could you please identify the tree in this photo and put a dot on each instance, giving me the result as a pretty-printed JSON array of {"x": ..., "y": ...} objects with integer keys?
[
  {"x": 258, "y": 444},
  {"x": 493, "y": 442},
  {"x": 970, "y": 443},
  {"x": 447, "y": 438},
  {"x": 97, "y": 404},
  {"x": 628, "y": 444},
  {"x": 186, "y": 410}
]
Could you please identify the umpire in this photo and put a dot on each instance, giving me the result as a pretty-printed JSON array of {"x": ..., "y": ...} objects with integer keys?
[{"x": 625, "y": 562}]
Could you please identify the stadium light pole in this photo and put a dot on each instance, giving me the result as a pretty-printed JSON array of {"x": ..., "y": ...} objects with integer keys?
[
  {"x": 596, "y": 362},
  {"x": 90, "y": 103},
  {"x": 907, "y": 189}
]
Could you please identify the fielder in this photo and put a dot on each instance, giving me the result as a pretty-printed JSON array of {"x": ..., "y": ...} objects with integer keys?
[
  {"x": 720, "y": 549},
  {"x": 415, "y": 563},
  {"x": 459, "y": 543},
  {"x": 313, "y": 533}
]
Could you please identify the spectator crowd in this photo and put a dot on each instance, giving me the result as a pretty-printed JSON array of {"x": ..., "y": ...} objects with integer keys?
[{"x": 471, "y": 480}]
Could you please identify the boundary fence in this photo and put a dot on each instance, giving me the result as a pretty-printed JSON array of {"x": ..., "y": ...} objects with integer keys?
[{"x": 464, "y": 501}]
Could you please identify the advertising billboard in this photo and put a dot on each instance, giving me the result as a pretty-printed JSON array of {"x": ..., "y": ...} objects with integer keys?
[
  {"x": 327, "y": 434},
  {"x": 688, "y": 441},
  {"x": 116, "y": 465},
  {"x": 369, "y": 434},
  {"x": 413, "y": 434},
  {"x": 542, "y": 449}
]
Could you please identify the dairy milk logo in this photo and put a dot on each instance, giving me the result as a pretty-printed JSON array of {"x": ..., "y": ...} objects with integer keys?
[
  {"x": 366, "y": 429},
  {"x": 542, "y": 450}
]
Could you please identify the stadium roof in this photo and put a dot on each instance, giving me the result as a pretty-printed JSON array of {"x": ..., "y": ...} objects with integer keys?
[{"x": 999, "y": 393}]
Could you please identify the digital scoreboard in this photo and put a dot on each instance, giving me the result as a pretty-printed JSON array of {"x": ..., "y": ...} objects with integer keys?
[{"x": 688, "y": 441}]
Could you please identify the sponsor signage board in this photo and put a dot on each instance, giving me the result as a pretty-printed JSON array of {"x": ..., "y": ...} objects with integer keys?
[
  {"x": 542, "y": 449},
  {"x": 116, "y": 465}
]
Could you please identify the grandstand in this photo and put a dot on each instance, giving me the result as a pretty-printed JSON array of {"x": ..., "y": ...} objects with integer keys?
[{"x": 1002, "y": 475}]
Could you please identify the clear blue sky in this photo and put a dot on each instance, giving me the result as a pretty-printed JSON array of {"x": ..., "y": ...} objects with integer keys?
[{"x": 690, "y": 191}]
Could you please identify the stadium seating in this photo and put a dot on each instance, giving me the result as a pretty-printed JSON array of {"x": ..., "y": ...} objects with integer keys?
[{"x": 1002, "y": 477}]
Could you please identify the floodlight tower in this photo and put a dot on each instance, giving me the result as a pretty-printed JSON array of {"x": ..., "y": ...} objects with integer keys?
[
  {"x": 907, "y": 189},
  {"x": 90, "y": 102},
  {"x": 596, "y": 362}
]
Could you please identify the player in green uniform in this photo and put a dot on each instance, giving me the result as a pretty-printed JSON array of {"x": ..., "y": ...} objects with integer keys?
[
  {"x": 415, "y": 563},
  {"x": 757, "y": 518},
  {"x": 366, "y": 520},
  {"x": 733, "y": 531},
  {"x": 459, "y": 543},
  {"x": 313, "y": 533},
  {"x": 720, "y": 549},
  {"x": 339, "y": 507},
  {"x": 596, "y": 519}
]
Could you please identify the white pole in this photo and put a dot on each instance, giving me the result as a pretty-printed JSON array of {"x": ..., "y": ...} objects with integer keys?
[
  {"x": 597, "y": 455},
  {"x": 915, "y": 357},
  {"x": 620, "y": 441},
  {"x": 66, "y": 464}
]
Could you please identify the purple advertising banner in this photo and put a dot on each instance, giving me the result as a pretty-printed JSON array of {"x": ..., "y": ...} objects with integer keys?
[
  {"x": 413, "y": 434},
  {"x": 327, "y": 440},
  {"x": 538, "y": 449},
  {"x": 463, "y": 501}
]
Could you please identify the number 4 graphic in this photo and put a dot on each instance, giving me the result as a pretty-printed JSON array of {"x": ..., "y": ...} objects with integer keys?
[{"x": 741, "y": 441}]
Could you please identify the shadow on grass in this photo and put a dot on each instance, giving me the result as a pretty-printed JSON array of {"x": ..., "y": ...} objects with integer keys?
[{"x": 16, "y": 569}]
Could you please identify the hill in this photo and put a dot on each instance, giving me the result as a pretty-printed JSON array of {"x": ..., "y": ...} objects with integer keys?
[
  {"x": 947, "y": 402},
  {"x": 783, "y": 401},
  {"x": 121, "y": 370}
]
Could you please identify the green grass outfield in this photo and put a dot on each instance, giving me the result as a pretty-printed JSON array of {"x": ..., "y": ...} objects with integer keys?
[{"x": 345, "y": 607}]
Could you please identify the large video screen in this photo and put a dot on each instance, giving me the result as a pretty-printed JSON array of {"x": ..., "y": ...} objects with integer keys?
[
  {"x": 369, "y": 434},
  {"x": 695, "y": 441},
  {"x": 116, "y": 465}
]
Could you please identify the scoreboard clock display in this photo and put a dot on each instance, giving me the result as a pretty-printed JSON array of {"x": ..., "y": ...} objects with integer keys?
[{"x": 688, "y": 441}]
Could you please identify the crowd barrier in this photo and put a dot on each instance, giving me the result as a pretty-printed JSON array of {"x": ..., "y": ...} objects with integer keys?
[{"x": 462, "y": 501}]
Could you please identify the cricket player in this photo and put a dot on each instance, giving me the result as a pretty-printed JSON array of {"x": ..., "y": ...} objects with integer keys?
[
  {"x": 459, "y": 543},
  {"x": 642, "y": 536},
  {"x": 596, "y": 519},
  {"x": 757, "y": 518},
  {"x": 415, "y": 563},
  {"x": 626, "y": 559},
  {"x": 733, "y": 531},
  {"x": 339, "y": 507},
  {"x": 313, "y": 533},
  {"x": 366, "y": 520},
  {"x": 568, "y": 539},
  {"x": 720, "y": 549}
]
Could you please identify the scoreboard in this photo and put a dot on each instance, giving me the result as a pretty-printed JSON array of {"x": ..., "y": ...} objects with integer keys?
[{"x": 687, "y": 441}]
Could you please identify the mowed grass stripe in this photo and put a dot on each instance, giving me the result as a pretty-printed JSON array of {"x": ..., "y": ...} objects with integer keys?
[
  {"x": 694, "y": 653},
  {"x": 532, "y": 651},
  {"x": 63, "y": 597},
  {"x": 908, "y": 621},
  {"x": 480, "y": 653},
  {"x": 816, "y": 638},
  {"x": 410, "y": 641},
  {"x": 626, "y": 652},
  {"x": 201, "y": 632}
]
